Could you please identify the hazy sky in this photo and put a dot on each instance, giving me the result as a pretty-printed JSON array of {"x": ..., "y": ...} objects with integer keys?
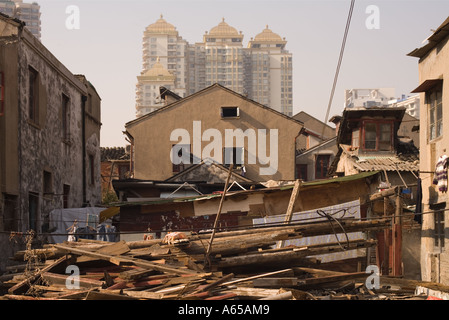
[{"x": 107, "y": 46}]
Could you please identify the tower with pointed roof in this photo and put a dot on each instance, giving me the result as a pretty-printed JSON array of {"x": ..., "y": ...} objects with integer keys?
[
  {"x": 162, "y": 41},
  {"x": 271, "y": 68},
  {"x": 149, "y": 82},
  {"x": 262, "y": 71},
  {"x": 224, "y": 57}
]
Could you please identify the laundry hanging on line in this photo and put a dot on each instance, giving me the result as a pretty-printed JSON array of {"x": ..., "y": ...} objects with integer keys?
[{"x": 440, "y": 178}]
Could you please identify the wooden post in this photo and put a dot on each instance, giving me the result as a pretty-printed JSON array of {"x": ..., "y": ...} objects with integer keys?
[
  {"x": 396, "y": 234},
  {"x": 218, "y": 213},
  {"x": 291, "y": 204},
  {"x": 386, "y": 262}
]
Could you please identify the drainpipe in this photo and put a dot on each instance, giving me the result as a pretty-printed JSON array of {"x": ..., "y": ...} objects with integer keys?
[{"x": 83, "y": 142}]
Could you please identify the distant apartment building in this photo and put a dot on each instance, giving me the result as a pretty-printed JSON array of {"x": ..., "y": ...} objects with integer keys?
[
  {"x": 262, "y": 71},
  {"x": 26, "y": 12},
  {"x": 411, "y": 104},
  {"x": 367, "y": 98}
]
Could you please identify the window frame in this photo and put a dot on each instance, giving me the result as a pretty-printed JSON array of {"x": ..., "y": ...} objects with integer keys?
[
  {"x": 378, "y": 124},
  {"x": 224, "y": 114},
  {"x": 432, "y": 112},
  {"x": 234, "y": 157},
  {"x": 438, "y": 230},
  {"x": 322, "y": 173}
]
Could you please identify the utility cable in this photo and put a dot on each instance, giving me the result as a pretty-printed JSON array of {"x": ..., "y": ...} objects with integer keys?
[{"x": 343, "y": 45}]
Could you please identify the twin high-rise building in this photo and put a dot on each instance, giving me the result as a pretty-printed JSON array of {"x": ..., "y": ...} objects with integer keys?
[
  {"x": 26, "y": 12},
  {"x": 262, "y": 71}
]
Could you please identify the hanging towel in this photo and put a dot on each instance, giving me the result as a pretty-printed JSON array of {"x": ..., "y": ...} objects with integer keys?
[{"x": 440, "y": 177}]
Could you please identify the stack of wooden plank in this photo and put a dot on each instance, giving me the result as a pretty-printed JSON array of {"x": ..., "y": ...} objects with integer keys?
[{"x": 241, "y": 264}]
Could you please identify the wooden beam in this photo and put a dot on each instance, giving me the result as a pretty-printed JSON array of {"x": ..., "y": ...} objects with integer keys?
[
  {"x": 291, "y": 204},
  {"x": 24, "y": 285},
  {"x": 60, "y": 279},
  {"x": 121, "y": 259},
  {"x": 209, "y": 248},
  {"x": 257, "y": 277},
  {"x": 383, "y": 194}
]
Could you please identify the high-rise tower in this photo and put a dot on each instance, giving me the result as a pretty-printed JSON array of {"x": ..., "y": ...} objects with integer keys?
[
  {"x": 270, "y": 72},
  {"x": 262, "y": 71},
  {"x": 161, "y": 41},
  {"x": 224, "y": 57}
]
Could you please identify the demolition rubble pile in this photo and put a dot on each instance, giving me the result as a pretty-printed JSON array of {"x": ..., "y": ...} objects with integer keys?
[{"x": 237, "y": 265}]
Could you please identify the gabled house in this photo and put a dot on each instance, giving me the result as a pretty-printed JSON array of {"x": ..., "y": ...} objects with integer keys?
[
  {"x": 219, "y": 124},
  {"x": 315, "y": 131},
  {"x": 368, "y": 140},
  {"x": 433, "y": 88},
  {"x": 314, "y": 163},
  {"x": 316, "y": 148}
]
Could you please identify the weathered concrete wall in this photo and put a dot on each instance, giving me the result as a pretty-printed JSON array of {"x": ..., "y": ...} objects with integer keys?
[
  {"x": 9, "y": 177},
  {"x": 434, "y": 66},
  {"x": 41, "y": 143},
  {"x": 31, "y": 145}
]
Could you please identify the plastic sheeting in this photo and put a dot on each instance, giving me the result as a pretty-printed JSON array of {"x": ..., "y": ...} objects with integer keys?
[
  {"x": 87, "y": 220},
  {"x": 349, "y": 209}
]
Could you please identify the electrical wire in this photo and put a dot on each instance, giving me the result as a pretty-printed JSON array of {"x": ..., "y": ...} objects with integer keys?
[{"x": 340, "y": 59}]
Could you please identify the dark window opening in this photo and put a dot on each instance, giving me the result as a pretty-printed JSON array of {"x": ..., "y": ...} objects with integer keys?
[
  {"x": 65, "y": 117},
  {"x": 48, "y": 183},
  {"x": 439, "y": 229},
  {"x": 33, "y": 95},
  {"x": 66, "y": 193},
  {"x": 33, "y": 207},
  {"x": 301, "y": 172},
  {"x": 229, "y": 112},
  {"x": 91, "y": 169},
  {"x": 322, "y": 166},
  {"x": 181, "y": 157}
]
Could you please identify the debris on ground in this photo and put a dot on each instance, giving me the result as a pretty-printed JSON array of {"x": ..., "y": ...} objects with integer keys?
[{"x": 238, "y": 265}]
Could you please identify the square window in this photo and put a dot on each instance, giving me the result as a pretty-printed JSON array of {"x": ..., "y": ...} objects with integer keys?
[
  {"x": 234, "y": 156},
  {"x": 230, "y": 112}
]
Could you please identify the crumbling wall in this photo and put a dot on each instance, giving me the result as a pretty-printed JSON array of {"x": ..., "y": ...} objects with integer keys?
[{"x": 41, "y": 143}]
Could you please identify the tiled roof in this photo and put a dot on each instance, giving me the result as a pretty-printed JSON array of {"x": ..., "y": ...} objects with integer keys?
[
  {"x": 114, "y": 153},
  {"x": 387, "y": 162}
]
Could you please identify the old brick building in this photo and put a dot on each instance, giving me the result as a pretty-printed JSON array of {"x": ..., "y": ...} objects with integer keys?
[{"x": 50, "y": 122}]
